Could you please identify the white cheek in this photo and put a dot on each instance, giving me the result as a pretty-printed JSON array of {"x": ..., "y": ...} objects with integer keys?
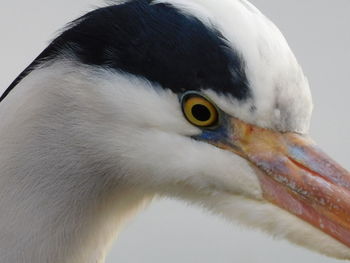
[
  {"x": 159, "y": 160},
  {"x": 139, "y": 104},
  {"x": 143, "y": 131},
  {"x": 154, "y": 144}
]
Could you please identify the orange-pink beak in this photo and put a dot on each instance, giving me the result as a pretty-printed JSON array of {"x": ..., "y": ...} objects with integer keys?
[{"x": 296, "y": 176}]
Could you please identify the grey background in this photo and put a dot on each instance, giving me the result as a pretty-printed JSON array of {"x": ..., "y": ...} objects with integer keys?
[{"x": 168, "y": 231}]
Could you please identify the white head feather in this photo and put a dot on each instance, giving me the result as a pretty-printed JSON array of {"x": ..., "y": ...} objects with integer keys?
[{"x": 281, "y": 93}]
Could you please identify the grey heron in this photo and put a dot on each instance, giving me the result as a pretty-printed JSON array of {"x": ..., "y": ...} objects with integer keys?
[{"x": 103, "y": 119}]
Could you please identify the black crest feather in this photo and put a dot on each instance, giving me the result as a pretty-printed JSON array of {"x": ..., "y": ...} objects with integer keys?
[{"x": 155, "y": 41}]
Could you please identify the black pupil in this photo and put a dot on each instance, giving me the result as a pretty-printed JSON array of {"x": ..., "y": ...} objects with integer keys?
[{"x": 200, "y": 112}]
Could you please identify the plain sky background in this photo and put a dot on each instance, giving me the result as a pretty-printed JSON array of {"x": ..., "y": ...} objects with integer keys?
[{"x": 168, "y": 231}]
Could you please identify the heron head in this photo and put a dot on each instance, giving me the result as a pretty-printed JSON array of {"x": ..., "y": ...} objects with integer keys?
[{"x": 204, "y": 101}]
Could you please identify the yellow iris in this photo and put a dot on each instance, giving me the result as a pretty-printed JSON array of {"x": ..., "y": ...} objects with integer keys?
[{"x": 200, "y": 112}]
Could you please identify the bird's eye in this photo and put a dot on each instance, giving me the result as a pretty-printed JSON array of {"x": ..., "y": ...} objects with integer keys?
[{"x": 199, "y": 111}]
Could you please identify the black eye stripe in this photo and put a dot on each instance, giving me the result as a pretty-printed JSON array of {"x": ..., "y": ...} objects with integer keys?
[{"x": 201, "y": 112}]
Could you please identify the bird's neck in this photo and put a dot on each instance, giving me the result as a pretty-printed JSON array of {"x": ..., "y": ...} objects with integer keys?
[
  {"x": 61, "y": 195},
  {"x": 64, "y": 233}
]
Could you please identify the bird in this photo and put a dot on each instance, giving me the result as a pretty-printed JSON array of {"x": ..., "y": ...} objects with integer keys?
[{"x": 197, "y": 100}]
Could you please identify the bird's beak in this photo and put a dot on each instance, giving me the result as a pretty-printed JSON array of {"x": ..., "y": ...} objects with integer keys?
[{"x": 295, "y": 175}]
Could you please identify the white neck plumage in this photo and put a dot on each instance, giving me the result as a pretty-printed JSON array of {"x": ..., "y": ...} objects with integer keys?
[{"x": 58, "y": 201}]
